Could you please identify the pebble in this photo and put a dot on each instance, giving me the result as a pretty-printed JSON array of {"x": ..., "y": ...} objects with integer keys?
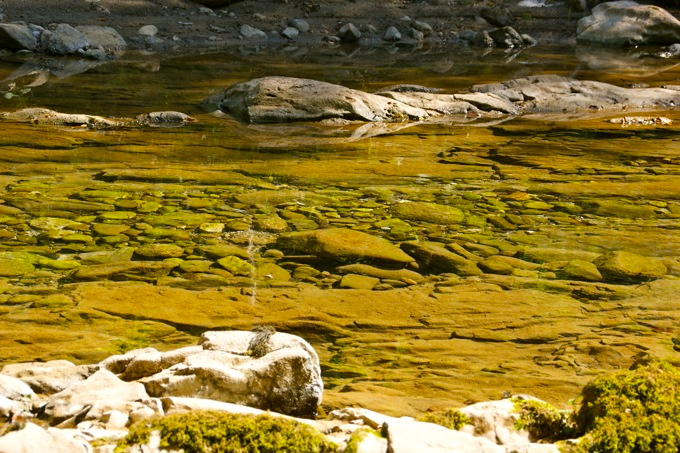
[
  {"x": 148, "y": 30},
  {"x": 392, "y": 34}
]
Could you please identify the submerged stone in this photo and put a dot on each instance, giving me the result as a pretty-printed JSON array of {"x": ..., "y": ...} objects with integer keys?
[
  {"x": 440, "y": 259},
  {"x": 236, "y": 265},
  {"x": 160, "y": 251},
  {"x": 355, "y": 281},
  {"x": 428, "y": 212},
  {"x": 342, "y": 244},
  {"x": 581, "y": 270},
  {"x": 628, "y": 266}
]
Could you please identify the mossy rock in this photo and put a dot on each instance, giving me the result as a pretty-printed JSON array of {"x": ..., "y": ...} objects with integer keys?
[
  {"x": 160, "y": 251},
  {"x": 581, "y": 270},
  {"x": 15, "y": 268},
  {"x": 178, "y": 219},
  {"x": 343, "y": 244},
  {"x": 236, "y": 265},
  {"x": 211, "y": 431},
  {"x": 632, "y": 411},
  {"x": 428, "y": 212},
  {"x": 625, "y": 266},
  {"x": 448, "y": 418}
]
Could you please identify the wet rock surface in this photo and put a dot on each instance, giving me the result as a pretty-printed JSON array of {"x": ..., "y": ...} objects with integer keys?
[{"x": 283, "y": 99}]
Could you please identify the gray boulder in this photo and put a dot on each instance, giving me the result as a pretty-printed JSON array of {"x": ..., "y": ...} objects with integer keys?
[
  {"x": 63, "y": 39},
  {"x": 17, "y": 37},
  {"x": 104, "y": 38},
  {"x": 349, "y": 33},
  {"x": 284, "y": 99},
  {"x": 557, "y": 94},
  {"x": 249, "y": 32},
  {"x": 626, "y": 22},
  {"x": 343, "y": 244}
]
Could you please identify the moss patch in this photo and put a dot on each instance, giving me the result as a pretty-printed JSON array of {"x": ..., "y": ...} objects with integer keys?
[
  {"x": 207, "y": 431},
  {"x": 633, "y": 411}
]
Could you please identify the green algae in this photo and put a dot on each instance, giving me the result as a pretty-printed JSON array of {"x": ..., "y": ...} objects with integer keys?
[{"x": 205, "y": 432}]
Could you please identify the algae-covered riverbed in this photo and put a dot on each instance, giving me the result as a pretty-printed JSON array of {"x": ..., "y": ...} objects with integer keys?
[{"x": 133, "y": 237}]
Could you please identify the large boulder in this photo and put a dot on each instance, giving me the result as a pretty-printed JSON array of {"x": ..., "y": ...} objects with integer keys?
[
  {"x": 284, "y": 99},
  {"x": 262, "y": 369},
  {"x": 105, "y": 38},
  {"x": 63, "y": 39},
  {"x": 17, "y": 37},
  {"x": 626, "y": 22},
  {"x": 343, "y": 244}
]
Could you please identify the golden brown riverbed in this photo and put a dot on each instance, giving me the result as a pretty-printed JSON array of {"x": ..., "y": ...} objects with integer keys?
[{"x": 545, "y": 192}]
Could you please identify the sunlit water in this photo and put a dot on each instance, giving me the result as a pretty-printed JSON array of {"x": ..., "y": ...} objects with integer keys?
[{"x": 573, "y": 165}]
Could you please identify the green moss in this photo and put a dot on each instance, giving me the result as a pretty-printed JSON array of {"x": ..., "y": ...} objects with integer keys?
[
  {"x": 543, "y": 421},
  {"x": 210, "y": 431},
  {"x": 357, "y": 438},
  {"x": 632, "y": 411},
  {"x": 449, "y": 418}
]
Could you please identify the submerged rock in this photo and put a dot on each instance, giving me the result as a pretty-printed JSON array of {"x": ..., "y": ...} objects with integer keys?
[
  {"x": 628, "y": 266},
  {"x": 283, "y": 99},
  {"x": 342, "y": 244}
]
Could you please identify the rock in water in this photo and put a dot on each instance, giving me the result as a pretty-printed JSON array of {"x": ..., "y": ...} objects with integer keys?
[
  {"x": 17, "y": 37},
  {"x": 626, "y": 22},
  {"x": 343, "y": 244},
  {"x": 284, "y": 99},
  {"x": 626, "y": 266}
]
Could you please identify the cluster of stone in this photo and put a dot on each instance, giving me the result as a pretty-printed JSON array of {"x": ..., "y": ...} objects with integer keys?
[
  {"x": 59, "y": 406},
  {"x": 91, "y": 41},
  {"x": 216, "y": 233}
]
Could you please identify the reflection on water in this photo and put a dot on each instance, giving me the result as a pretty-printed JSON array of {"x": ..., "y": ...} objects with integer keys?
[{"x": 549, "y": 195}]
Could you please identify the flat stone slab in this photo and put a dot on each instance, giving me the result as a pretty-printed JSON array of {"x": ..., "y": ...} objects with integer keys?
[{"x": 287, "y": 99}]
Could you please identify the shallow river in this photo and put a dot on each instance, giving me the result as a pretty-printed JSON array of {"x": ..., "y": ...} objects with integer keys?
[{"x": 541, "y": 199}]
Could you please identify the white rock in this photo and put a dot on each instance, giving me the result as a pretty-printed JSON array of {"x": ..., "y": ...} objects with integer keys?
[
  {"x": 100, "y": 388},
  {"x": 148, "y": 30},
  {"x": 409, "y": 436},
  {"x": 175, "y": 404},
  {"x": 49, "y": 377},
  {"x": 34, "y": 439},
  {"x": 14, "y": 388}
]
